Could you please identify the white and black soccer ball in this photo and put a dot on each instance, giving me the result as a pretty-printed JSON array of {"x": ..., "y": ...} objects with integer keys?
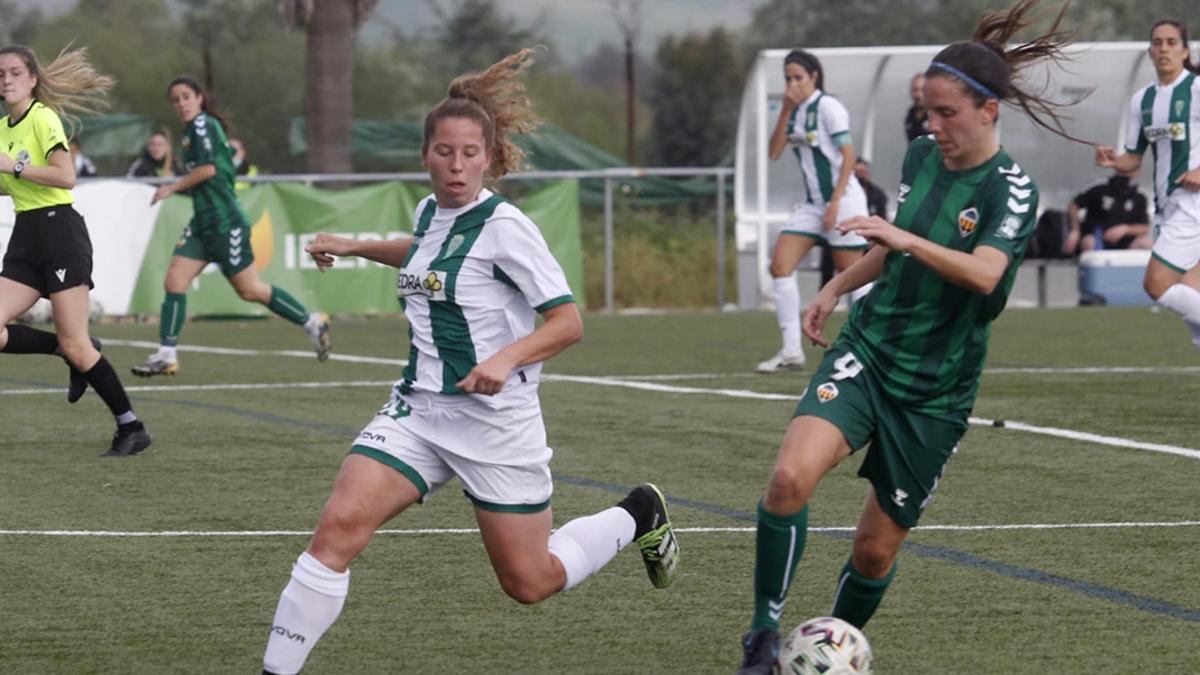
[
  {"x": 826, "y": 646},
  {"x": 40, "y": 312}
]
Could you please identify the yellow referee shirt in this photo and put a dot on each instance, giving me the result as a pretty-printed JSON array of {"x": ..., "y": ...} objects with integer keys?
[{"x": 31, "y": 140}]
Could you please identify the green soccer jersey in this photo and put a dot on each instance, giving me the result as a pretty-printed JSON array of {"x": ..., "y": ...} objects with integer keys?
[
  {"x": 924, "y": 337},
  {"x": 214, "y": 201}
]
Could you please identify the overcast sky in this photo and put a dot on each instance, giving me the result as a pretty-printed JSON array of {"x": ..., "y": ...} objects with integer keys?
[{"x": 576, "y": 25}]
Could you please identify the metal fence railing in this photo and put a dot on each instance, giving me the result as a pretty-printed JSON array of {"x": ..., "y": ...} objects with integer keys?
[{"x": 609, "y": 176}]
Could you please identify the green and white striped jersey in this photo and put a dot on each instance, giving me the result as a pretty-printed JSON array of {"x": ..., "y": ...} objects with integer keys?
[
  {"x": 817, "y": 130},
  {"x": 214, "y": 201},
  {"x": 922, "y": 336},
  {"x": 1164, "y": 118},
  {"x": 472, "y": 281}
]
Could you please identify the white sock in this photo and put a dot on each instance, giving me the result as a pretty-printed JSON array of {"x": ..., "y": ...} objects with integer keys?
[
  {"x": 1185, "y": 301},
  {"x": 787, "y": 311},
  {"x": 861, "y": 292},
  {"x": 586, "y": 544},
  {"x": 313, "y": 320},
  {"x": 307, "y": 608},
  {"x": 166, "y": 353}
]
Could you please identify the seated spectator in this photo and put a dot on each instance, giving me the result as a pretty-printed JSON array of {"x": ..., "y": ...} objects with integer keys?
[
  {"x": 916, "y": 121},
  {"x": 156, "y": 158},
  {"x": 1114, "y": 215},
  {"x": 84, "y": 168},
  {"x": 241, "y": 164},
  {"x": 877, "y": 203}
]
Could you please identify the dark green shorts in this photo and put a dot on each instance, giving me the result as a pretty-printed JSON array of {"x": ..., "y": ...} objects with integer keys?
[
  {"x": 226, "y": 245},
  {"x": 908, "y": 449}
]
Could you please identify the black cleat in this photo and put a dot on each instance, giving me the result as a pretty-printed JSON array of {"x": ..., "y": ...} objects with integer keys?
[
  {"x": 129, "y": 441},
  {"x": 78, "y": 386},
  {"x": 760, "y": 652}
]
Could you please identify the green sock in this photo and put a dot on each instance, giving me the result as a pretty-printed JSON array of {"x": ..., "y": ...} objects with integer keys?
[
  {"x": 283, "y": 304},
  {"x": 174, "y": 311},
  {"x": 857, "y": 596},
  {"x": 778, "y": 547}
]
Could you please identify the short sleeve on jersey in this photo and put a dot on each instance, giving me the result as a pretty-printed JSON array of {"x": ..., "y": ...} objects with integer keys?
[
  {"x": 203, "y": 133},
  {"x": 1012, "y": 214},
  {"x": 834, "y": 117},
  {"x": 524, "y": 261},
  {"x": 49, "y": 130},
  {"x": 1135, "y": 140}
]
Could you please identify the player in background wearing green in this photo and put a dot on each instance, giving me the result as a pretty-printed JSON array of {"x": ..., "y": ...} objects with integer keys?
[
  {"x": 471, "y": 280},
  {"x": 1165, "y": 117},
  {"x": 50, "y": 253},
  {"x": 817, "y": 127},
  {"x": 903, "y": 374},
  {"x": 218, "y": 232}
]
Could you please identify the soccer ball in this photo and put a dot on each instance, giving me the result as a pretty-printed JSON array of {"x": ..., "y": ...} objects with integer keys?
[{"x": 826, "y": 646}]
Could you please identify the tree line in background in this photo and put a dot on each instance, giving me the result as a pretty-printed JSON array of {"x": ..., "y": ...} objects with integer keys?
[{"x": 262, "y": 59}]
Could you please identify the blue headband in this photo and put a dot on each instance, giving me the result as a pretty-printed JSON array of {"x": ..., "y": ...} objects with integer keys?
[{"x": 972, "y": 82}]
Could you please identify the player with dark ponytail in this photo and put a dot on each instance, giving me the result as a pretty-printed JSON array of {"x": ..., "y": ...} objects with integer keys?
[{"x": 901, "y": 378}]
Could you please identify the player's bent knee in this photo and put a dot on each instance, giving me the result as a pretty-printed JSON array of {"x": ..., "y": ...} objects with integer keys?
[
  {"x": 873, "y": 557},
  {"x": 526, "y": 589},
  {"x": 76, "y": 350},
  {"x": 788, "y": 491}
]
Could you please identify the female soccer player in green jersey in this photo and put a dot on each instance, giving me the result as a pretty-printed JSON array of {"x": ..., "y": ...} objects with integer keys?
[
  {"x": 471, "y": 280},
  {"x": 1165, "y": 117},
  {"x": 218, "y": 232},
  {"x": 50, "y": 253},
  {"x": 902, "y": 376}
]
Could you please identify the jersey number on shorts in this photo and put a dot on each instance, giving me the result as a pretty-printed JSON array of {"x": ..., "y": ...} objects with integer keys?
[{"x": 847, "y": 366}]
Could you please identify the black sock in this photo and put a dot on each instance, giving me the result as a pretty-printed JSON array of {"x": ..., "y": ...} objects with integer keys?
[
  {"x": 105, "y": 382},
  {"x": 640, "y": 505},
  {"x": 26, "y": 340}
]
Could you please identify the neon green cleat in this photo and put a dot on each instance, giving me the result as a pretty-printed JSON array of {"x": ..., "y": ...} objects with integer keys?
[{"x": 660, "y": 550}]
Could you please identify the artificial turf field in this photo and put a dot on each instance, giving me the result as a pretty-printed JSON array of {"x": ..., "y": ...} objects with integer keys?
[{"x": 1047, "y": 550}]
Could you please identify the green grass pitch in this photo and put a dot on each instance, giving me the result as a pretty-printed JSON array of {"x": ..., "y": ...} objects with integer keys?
[{"x": 262, "y": 459}]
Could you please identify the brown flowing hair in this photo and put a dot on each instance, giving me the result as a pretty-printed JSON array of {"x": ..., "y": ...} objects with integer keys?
[
  {"x": 497, "y": 100},
  {"x": 988, "y": 60},
  {"x": 68, "y": 85}
]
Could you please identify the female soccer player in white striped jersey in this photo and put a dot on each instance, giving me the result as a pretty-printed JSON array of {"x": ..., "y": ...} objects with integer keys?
[
  {"x": 817, "y": 127},
  {"x": 471, "y": 280},
  {"x": 1164, "y": 116}
]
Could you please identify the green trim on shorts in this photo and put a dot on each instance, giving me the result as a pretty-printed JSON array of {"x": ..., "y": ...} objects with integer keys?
[
  {"x": 797, "y": 233},
  {"x": 1163, "y": 260},
  {"x": 852, "y": 247},
  {"x": 507, "y": 508},
  {"x": 384, "y": 458}
]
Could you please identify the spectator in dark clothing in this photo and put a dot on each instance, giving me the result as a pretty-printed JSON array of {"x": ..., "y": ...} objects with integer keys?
[
  {"x": 156, "y": 159},
  {"x": 1114, "y": 216},
  {"x": 916, "y": 122},
  {"x": 877, "y": 203},
  {"x": 84, "y": 167}
]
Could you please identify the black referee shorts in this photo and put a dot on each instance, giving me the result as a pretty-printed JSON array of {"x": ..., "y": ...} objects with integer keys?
[{"x": 50, "y": 250}]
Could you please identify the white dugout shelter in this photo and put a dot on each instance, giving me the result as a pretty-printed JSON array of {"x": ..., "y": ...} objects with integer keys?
[{"x": 873, "y": 84}]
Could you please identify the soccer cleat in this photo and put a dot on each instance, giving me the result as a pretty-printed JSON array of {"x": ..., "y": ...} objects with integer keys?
[
  {"x": 318, "y": 331},
  {"x": 155, "y": 365},
  {"x": 760, "y": 652},
  {"x": 129, "y": 441},
  {"x": 781, "y": 361},
  {"x": 660, "y": 550},
  {"x": 78, "y": 384}
]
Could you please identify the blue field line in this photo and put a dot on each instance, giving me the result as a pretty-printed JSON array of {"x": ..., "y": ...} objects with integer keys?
[
  {"x": 949, "y": 555},
  {"x": 1106, "y": 593}
]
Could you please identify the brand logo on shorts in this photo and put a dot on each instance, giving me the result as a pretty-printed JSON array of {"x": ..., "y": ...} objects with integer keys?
[
  {"x": 827, "y": 392},
  {"x": 967, "y": 219},
  {"x": 61, "y": 274},
  {"x": 899, "y": 497},
  {"x": 378, "y": 438}
]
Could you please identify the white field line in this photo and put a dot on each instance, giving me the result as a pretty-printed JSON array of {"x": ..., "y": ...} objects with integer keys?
[
  {"x": 639, "y": 385},
  {"x": 218, "y": 387},
  {"x": 688, "y": 530},
  {"x": 225, "y": 351}
]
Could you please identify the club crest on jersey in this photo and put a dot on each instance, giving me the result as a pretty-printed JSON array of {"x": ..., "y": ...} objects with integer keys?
[
  {"x": 455, "y": 241},
  {"x": 967, "y": 220},
  {"x": 827, "y": 392},
  {"x": 431, "y": 284},
  {"x": 1179, "y": 108}
]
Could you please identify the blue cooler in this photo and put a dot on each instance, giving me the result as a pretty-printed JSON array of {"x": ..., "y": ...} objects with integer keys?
[{"x": 1113, "y": 277}]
